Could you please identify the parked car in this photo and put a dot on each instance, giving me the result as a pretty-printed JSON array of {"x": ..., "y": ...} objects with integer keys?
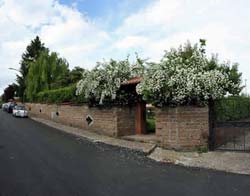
[
  {"x": 20, "y": 111},
  {"x": 5, "y": 107},
  {"x": 11, "y": 106}
]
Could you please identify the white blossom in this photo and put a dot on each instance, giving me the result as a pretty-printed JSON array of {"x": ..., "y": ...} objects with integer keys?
[{"x": 183, "y": 77}]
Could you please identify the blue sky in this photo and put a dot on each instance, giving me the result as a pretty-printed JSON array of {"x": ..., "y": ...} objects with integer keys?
[
  {"x": 87, "y": 31},
  {"x": 112, "y": 10}
]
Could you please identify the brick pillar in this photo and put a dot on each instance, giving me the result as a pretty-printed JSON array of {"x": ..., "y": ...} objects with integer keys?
[
  {"x": 141, "y": 118},
  {"x": 183, "y": 127}
]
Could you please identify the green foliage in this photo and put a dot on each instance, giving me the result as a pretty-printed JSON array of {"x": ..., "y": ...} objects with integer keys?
[
  {"x": 234, "y": 76},
  {"x": 9, "y": 92},
  {"x": 202, "y": 149},
  {"x": 33, "y": 50},
  {"x": 150, "y": 125},
  {"x": 101, "y": 85},
  {"x": 232, "y": 108},
  {"x": 46, "y": 73},
  {"x": 186, "y": 76},
  {"x": 66, "y": 94},
  {"x": 138, "y": 68},
  {"x": 76, "y": 74},
  {"x": 150, "y": 120}
]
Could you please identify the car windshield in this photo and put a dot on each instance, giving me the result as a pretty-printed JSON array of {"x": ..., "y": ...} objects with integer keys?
[{"x": 20, "y": 108}]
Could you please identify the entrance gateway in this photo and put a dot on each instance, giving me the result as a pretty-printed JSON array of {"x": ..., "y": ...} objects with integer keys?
[
  {"x": 230, "y": 124},
  {"x": 144, "y": 118}
]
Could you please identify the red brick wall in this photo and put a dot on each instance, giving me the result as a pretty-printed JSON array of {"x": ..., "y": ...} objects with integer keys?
[
  {"x": 112, "y": 122},
  {"x": 183, "y": 127}
]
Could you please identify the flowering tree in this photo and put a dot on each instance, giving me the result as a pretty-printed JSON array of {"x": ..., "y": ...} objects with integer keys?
[
  {"x": 186, "y": 76},
  {"x": 102, "y": 83}
]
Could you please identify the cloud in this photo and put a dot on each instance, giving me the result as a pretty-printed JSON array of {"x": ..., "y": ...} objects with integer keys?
[
  {"x": 130, "y": 42},
  {"x": 73, "y": 35},
  {"x": 152, "y": 19},
  {"x": 166, "y": 24},
  {"x": 157, "y": 26},
  {"x": 28, "y": 13},
  {"x": 63, "y": 29}
]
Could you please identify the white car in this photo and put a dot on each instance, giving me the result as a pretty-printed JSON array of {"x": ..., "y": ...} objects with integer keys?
[{"x": 20, "y": 111}]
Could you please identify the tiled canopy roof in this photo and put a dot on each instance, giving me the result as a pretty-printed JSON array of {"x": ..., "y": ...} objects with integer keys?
[{"x": 135, "y": 80}]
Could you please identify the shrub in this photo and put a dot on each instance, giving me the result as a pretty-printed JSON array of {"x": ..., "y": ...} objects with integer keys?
[
  {"x": 232, "y": 108},
  {"x": 102, "y": 85},
  {"x": 186, "y": 76},
  {"x": 60, "y": 95},
  {"x": 150, "y": 124}
]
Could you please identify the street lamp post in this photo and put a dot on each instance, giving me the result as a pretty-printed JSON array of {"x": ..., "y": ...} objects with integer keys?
[
  {"x": 246, "y": 86},
  {"x": 11, "y": 68}
]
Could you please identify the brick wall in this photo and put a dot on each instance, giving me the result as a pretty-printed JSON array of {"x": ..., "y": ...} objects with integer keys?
[
  {"x": 182, "y": 127},
  {"x": 126, "y": 121},
  {"x": 112, "y": 122}
]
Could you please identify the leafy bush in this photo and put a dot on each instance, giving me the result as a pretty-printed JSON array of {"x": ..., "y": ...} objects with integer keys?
[
  {"x": 150, "y": 124},
  {"x": 102, "y": 85},
  {"x": 184, "y": 76},
  {"x": 187, "y": 76},
  {"x": 60, "y": 95},
  {"x": 232, "y": 108}
]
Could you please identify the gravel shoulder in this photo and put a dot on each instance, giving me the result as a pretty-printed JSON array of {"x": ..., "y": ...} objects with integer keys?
[{"x": 233, "y": 162}]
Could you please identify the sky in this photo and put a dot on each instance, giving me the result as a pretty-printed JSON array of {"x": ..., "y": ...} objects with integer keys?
[{"x": 87, "y": 31}]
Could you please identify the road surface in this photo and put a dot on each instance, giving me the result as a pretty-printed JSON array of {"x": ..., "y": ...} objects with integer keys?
[{"x": 38, "y": 160}]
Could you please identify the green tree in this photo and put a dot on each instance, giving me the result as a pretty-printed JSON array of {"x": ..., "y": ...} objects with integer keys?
[
  {"x": 10, "y": 92},
  {"x": 46, "y": 73},
  {"x": 231, "y": 70},
  {"x": 76, "y": 74},
  {"x": 31, "y": 54}
]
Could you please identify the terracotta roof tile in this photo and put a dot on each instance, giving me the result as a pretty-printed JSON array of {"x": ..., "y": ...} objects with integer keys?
[{"x": 135, "y": 80}]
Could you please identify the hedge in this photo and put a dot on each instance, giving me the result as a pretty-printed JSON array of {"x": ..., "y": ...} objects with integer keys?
[
  {"x": 66, "y": 94},
  {"x": 232, "y": 108}
]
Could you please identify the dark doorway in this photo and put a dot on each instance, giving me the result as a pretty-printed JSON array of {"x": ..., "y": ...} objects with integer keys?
[
  {"x": 141, "y": 117},
  {"x": 150, "y": 118}
]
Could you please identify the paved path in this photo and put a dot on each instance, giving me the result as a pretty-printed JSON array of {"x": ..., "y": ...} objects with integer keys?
[{"x": 38, "y": 160}]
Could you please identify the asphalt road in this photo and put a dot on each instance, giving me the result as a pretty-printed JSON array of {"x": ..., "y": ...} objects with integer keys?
[{"x": 38, "y": 160}]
